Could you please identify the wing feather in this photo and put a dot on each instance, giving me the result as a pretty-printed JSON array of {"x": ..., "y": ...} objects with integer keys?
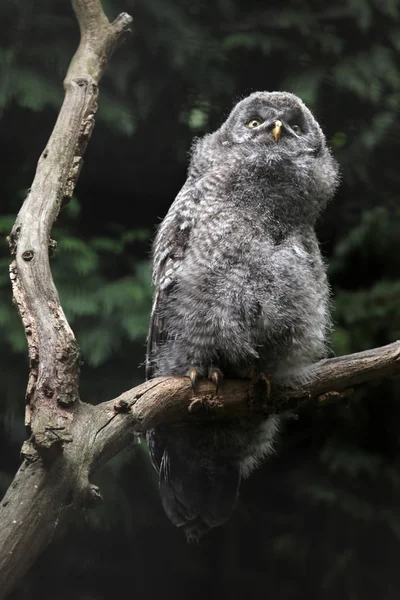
[{"x": 169, "y": 250}]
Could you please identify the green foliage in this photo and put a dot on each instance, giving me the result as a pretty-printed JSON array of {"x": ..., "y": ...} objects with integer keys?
[
  {"x": 104, "y": 312},
  {"x": 368, "y": 315}
]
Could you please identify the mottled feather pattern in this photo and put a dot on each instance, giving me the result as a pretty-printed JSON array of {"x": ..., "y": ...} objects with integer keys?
[{"x": 239, "y": 283}]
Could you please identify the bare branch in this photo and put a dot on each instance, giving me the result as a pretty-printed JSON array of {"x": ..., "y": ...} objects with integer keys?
[
  {"x": 46, "y": 475},
  {"x": 171, "y": 400}
]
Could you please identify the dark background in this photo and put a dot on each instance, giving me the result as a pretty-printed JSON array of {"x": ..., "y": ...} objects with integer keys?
[{"x": 321, "y": 519}]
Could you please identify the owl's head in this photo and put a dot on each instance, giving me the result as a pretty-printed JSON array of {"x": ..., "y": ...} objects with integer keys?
[
  {"x": 273, "y": 135},
  {"x": 277, "y": 119}
]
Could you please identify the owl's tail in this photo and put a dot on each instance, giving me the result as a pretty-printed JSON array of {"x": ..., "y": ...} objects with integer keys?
[{"x": 198, "y": 488}]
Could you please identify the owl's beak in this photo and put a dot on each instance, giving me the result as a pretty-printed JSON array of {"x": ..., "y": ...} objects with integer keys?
[{"x": 276, "y": 132}]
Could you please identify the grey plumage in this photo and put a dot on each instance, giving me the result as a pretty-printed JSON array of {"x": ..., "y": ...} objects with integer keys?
[{"x": 239, "y": 284}]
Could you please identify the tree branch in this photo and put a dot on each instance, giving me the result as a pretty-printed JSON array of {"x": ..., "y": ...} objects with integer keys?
[
  {"x": 171, "y": 399},
  {"x": 44, "y": 480}
]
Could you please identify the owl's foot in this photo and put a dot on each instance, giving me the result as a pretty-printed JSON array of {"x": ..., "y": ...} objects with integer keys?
[
  {"x": 267, "y": 379},
  {"x": 260, "y": 389},
  {"x": 194, "y": 376},
  {"x": 216, "y": 377},
  {"x": 214, "y": 374}
]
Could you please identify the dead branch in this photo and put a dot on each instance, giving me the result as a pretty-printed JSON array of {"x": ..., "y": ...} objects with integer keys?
[
  {"x": 32, "y": 507},
  {"x": 171, "y": 399}
]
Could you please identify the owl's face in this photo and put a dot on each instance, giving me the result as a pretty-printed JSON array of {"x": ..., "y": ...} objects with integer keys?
[
  {"x": 271, "y": 137},
  {"x": 278, "y": 121}
]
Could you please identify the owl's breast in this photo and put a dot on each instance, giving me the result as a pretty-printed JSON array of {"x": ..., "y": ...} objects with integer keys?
[{"x": 242, "y": 298}]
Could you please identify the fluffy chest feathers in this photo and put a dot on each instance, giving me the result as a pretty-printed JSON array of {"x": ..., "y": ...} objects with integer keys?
[{"x": 237, "y": 285}]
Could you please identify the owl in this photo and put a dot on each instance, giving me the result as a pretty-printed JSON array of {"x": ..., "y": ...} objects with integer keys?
[{"x": 240, "y": 287}]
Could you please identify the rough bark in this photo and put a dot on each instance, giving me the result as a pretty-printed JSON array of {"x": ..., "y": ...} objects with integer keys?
[
  {"x": 30, "y": 512},
  {"x": 171, "y": 399},
  {"x": 69, "y": 440}
]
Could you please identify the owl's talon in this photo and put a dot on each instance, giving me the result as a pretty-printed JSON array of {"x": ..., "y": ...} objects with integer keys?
[
  {"x": 193, "y": 376},
  {"x": 256, "y": 376},
  {"x": 216, "y": 377},
  {"x": 260, "y": 390},
  {"x": 267, "y": 379}
]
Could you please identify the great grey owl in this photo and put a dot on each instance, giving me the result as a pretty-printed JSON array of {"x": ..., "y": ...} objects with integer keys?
[{"x": 240, "y": 285}]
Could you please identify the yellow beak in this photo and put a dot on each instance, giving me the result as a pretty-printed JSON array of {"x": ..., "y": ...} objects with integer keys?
[{"x": 276, "y": 132}]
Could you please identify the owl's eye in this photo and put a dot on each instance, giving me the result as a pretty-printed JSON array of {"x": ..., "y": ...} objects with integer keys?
[
  {"x": 254, "y": 123},
  {"x": 296, "y": 128}
]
